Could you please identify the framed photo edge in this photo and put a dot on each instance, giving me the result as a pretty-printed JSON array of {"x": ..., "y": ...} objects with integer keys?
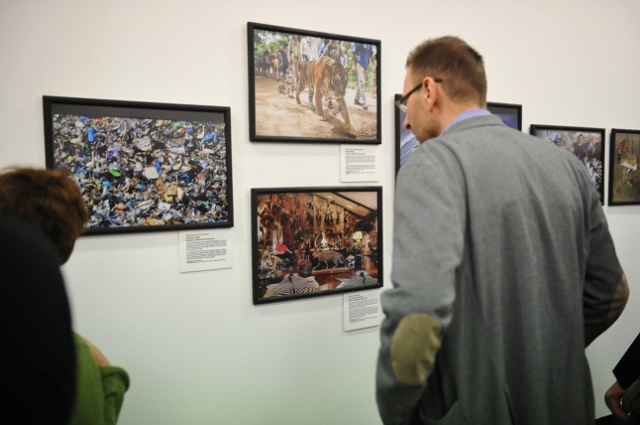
[
  {"x": 612, "y": 165},
  {"x": 533, "y": 128},
  {"x": 397, "y": 131},
  {"x": 256, "y": 256},
  {"x": 255, "y": 137},
  {"x": 183, "y": 110},
  {"x": 493, "y": 107}
]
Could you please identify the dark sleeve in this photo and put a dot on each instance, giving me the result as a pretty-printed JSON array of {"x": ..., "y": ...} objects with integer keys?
[
  {"x": 38, "y": 351},
  {"x": 628, "y": 368}
]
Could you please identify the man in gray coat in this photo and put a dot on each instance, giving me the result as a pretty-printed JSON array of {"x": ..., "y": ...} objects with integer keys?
[{"x": 503, "y": 266}]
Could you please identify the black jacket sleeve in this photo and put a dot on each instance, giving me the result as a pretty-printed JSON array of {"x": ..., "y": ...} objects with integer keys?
[{"x": 628, "y": 368}]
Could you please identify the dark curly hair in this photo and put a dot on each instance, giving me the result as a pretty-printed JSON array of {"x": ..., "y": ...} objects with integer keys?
[{"x": 48, "y": 199}]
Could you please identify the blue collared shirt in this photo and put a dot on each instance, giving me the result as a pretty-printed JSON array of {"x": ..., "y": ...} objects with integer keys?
[{"x": 471, "y": 113}]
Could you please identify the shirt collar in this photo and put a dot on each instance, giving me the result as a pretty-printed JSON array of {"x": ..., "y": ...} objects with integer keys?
[{"x": 471, "y": 113}]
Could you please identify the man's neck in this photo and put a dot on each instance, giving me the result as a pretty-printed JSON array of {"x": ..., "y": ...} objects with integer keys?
[{"x": 450, "y": 116}]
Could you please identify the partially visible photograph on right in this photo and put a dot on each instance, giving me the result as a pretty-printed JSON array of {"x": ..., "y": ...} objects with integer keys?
[
  {"x": 624, "y": 177},
  {"x": 584, "y": 142}
]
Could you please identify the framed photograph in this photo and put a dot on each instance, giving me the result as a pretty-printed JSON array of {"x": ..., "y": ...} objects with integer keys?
[
  {"x": 624, "y": 177},
  {"x": 143, "y": 166},
  {"x": 307, "y": 86},
  {"x": 511, "y": 114},
  {"x": 309, "y": 242},
  {"x": 406, "y": 141},
  {"x": 584, "y": 142}
]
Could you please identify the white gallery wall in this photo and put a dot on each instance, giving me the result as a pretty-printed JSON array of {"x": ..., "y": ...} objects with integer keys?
[{"x": 197, "y": 350}]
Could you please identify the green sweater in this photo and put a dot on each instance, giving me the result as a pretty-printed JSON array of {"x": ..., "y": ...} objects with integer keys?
[{"x": 100, "y": 391}]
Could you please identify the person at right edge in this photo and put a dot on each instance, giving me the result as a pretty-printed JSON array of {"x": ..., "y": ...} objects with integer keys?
[
  {"x": 627, "y": 373},
  {"x": 51, "y": 201},
  {"x": 503, "y": 270}
]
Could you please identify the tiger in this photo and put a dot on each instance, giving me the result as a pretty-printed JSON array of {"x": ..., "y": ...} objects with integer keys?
[{"x": 325, "y": 77}]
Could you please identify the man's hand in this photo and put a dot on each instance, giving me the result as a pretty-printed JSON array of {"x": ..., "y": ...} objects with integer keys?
[{"x": 612, "y": 398}]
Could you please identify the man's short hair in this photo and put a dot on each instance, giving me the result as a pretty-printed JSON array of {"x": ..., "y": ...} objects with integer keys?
[
  {"x": 459, "y": 65},
  {"x": 47, "y": 199}
]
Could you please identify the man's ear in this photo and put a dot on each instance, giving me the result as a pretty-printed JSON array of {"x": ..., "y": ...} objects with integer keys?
[{"x": 430, "y": 90}]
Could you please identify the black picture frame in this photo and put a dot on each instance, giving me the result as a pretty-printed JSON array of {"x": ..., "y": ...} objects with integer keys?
[
  {"x": 624, "y": 178},
  {"x": 591, "y": 152},
  {"x": 406, "y": 142},
  {"x": 509, "y": 113},
  {"x": 333, "y": 240},
  {"x": 280, "y": 106},
  {"x": 143, "y": 166}
]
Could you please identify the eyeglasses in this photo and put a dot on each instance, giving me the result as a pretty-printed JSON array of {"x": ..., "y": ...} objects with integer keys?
[{"x": 402, "y": 102}]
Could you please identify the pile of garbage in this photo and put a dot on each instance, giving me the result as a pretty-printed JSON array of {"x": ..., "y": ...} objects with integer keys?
[{"x": 143, "y": 171}]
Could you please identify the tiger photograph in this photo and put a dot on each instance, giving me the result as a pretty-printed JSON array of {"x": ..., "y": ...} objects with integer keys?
[
  {"x": 315, "y": 241},
  {"x": 309, "y": 86}
]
